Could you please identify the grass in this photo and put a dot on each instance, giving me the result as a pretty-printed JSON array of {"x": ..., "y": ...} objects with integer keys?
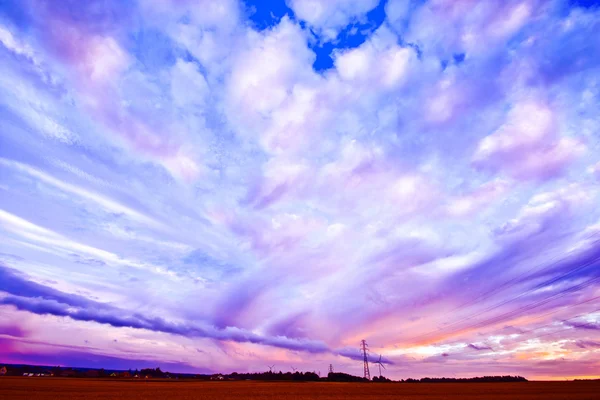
[{"x": 97, "y": 389}]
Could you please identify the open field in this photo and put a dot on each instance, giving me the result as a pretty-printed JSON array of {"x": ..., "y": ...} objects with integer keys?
[{"x": 96, "y": 389}]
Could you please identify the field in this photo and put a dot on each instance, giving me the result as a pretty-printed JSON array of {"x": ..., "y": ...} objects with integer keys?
[{"x": 96, "y": 389}]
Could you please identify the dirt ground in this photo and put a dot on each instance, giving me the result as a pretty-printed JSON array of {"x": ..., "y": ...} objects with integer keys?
[{"x": 96, "y": 389}]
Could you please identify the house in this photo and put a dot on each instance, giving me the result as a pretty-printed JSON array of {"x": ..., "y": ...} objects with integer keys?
[
  {"x": 3, "y": 371},
  {"x": 125, "y": 375},
  {"x": 113, "y": 375},
  {"x": 217, "y": 377}
]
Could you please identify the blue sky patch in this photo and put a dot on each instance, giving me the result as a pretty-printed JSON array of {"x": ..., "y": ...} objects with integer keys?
[
  {"x": 350, "y": 37},
  {"x": 266, "y": 14}
]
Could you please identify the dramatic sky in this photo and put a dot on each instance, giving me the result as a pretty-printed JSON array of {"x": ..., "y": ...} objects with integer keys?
[{"x": 225, "y": 185}]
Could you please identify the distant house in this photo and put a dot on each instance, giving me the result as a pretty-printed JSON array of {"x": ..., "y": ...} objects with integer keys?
[
  {"x": 3, "y": 371},
  {"x": 217, "y": 377},
  {"x": 125, "y": 375},
  {"x": 113, "y": 375}
]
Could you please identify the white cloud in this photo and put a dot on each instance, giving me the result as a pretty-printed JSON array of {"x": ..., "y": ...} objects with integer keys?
[
  {"x": 10, "y": 42},
  {"x": 544, "y": 211},
  {"x": 446, "y": 27},
  {"x": 328, "y": 17},
  {"x": 379, "y": 62},
  {"x": 96, "y": 198},
  {"x": 52, "y": 241},
  {"x": 595, "y": 170},
  {"x": 188, "y": 85},
  {"x": 104, "y": 59},
  {"x": 397, "y": 11},
  {"x": 270, "y": 90}
]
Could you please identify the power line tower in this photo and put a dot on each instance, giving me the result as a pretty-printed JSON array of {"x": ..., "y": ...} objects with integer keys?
[
  {"x": 331, "y": 368},
  {"x": 365, "y": 351}
]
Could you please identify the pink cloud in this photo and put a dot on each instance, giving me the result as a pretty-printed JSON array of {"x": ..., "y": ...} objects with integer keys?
[
  {"x": 478, "y": 199},
  {"x": 96, "y": 63},
  {"x": 595, "y": 170},
  {"x": 271, "y": 92},
  {"x": 528, "y": 145}
]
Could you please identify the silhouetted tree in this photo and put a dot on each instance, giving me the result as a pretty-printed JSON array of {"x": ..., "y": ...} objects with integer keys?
[{"x": 341, "y": 377}]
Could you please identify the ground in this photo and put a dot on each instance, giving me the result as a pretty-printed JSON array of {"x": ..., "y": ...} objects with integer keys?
[{"x": 100, "y": 389}]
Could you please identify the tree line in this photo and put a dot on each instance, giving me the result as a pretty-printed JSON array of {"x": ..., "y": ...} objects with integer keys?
[{"x": 157, "y": 373}]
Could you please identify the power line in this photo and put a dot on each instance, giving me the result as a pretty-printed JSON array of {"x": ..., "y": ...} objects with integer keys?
[
  {"x": 488, "y": 294},
  {"x": 570, "y": 305},
  {"x": 562, "y": 320},
  {"x": 553, "y": 322},
  {"x": 539, "y": 286},
  {"x": 542, "y": 302},
  {"x": 519, "y": 310}
]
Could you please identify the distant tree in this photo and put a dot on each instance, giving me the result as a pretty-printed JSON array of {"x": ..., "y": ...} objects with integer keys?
[
  {"x": 341, "y": 377},
  {"x": 310, "y": 376},
  {"x": 381, "y": 379},
  {"x": 152, "y": 373},
  {"x": 506, "y": 378}
]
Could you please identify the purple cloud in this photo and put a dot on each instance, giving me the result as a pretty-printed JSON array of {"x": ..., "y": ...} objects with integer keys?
[
  {"x": 12, "y": 330},
  {"x": 584, "y": 344},
  {"x": 119, "y": 318},
  {"x": 355, "y": 354},
  {"x": 479, "y": 347},
  {"x": 593, "y": 326}
]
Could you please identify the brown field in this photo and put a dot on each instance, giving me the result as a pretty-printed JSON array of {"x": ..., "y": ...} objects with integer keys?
[{"x": 95, "y": 389}]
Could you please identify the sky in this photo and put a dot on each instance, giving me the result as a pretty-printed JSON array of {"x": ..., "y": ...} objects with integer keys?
[{"x": 222, "y": 186}]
